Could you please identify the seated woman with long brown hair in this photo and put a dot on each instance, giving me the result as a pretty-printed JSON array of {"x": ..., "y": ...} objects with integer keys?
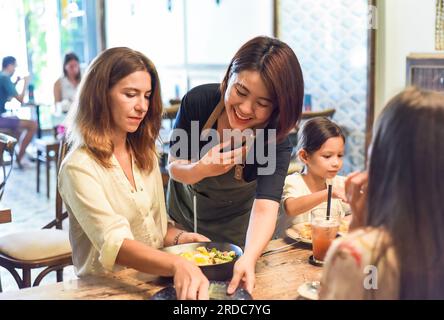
[
  {"x": 396, "y": 250},
  {"x": 111, "y": 182}
]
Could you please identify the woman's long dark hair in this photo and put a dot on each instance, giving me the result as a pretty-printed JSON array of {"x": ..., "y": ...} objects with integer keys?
[
  {"x": 406, "y": 189},
  {"x": 68, "y": 58}
]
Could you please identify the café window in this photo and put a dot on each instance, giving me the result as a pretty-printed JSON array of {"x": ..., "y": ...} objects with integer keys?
[
  {"x": 188, "y": 48},
  {"x": 77, "y": 21},
  {"x": 42, "y": 31}
]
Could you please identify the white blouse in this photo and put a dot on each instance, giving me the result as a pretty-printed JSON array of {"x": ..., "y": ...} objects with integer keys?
[{"x": 104, "y": 209}]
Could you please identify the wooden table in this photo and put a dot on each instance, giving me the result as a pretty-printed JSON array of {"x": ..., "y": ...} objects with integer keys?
[
  {"x": 278, "y": 277},
  {"x": 5, "y": 214}
]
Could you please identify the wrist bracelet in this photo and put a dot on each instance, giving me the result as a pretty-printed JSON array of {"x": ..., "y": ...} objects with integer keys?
[{"x": 176, "y": 238}]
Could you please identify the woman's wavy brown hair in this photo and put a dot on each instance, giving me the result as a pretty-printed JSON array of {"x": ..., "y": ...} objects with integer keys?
[
  {"x": 282, "y": 74},
  {"x": 91, "y": 121}
]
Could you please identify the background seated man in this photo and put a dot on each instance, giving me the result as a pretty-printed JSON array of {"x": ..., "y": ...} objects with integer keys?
[{"x": 27, "y": 128}]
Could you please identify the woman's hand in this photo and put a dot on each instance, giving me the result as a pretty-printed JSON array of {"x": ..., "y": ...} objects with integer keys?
[
  {"x": 356, "y": 192},
  {"x": 338, "y": 192},
  {"x": 215, "y": 163},
  {"x": 244, "y": 271},
  {"x": 189, "y": 281},
  {"x": 188, "y": 237}
]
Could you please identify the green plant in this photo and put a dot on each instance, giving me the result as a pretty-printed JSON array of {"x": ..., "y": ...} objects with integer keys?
[{"x": 37, "y": 50}]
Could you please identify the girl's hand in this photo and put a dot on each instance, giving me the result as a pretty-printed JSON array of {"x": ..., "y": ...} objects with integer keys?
[
  {"x": 216, "y": 163},
  {"x": 356, "y": 192},
  {"x": 244, "y": 271},
  {"x": 188, "y": 237},
  {"x": 189, "y": 281}
]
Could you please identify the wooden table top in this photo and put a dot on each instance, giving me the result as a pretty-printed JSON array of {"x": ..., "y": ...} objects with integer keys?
[
  {"x": 5, "y": 214},
  {"x": 278, "y": 276}
]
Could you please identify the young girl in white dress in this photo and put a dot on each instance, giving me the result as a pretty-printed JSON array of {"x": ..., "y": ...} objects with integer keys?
[{"x": 321, "y": 149}]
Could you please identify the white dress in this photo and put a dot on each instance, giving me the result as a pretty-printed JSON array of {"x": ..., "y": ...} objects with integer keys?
[
  {"x": 68, "y": 91},
  {"x": 295, "y": 187},
  {"x": 104, "y": 209}
]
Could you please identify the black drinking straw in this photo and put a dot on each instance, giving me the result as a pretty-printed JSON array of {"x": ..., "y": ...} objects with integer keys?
[{"x": 328, "y": 201}]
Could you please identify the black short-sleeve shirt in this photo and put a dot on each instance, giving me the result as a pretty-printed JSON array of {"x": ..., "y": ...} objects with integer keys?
[{"x": 197, "y": 105}]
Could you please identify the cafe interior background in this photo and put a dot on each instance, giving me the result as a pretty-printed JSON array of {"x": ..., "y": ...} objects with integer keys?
[{"x": 355, "y": 55}]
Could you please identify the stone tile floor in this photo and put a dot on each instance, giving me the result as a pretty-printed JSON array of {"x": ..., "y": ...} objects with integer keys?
[{"x": 30, "y": 210}]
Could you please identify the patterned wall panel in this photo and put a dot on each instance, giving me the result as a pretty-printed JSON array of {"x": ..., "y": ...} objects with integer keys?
[{"x": 330, "y": 39}]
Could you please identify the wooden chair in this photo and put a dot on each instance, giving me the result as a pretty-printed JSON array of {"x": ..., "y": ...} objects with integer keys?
[
  {"x": 47, "y": 152},
  {"x": 7, "y": 144},
  {"x": 293, "y": 135},
  {"x": 171, "y": 112},
  {"x": 47, "y": 247},
  {"x": 11, "y": 132},
  {"x": 295, "y": 165},
  {"x": 313, "y": 114}
]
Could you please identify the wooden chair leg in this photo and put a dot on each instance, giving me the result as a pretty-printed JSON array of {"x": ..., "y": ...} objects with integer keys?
[
  {"x": 59, "y": 275},
  {"x": 48, "y": 165},
  {"x": 26, "y": 278},
  {"x": 45, "y": 272},
  {"x": 15, "y": 275},
  {"x": 38, "y": 171}
]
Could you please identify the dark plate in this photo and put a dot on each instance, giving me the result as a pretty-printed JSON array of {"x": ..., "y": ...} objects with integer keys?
[
  {"x": 217, "y": 272},
  {"x": 217, "y": 291}
]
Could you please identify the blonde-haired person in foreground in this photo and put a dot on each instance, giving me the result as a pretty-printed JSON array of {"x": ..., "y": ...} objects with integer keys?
[
  {"x": 396, "y": 250},
  {"x": 111, "y": 182}
]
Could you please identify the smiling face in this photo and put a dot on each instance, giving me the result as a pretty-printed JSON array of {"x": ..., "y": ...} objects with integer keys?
[
  {"x": 130, "y": 101},
  {"x": 327, "y": 161},
  {"x": 247, "y": 101}
]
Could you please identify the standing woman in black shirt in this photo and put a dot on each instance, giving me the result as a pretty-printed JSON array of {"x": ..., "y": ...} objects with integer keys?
[{"x": 237, "y": 199}]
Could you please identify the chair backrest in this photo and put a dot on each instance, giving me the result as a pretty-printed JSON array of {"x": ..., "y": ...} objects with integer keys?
[
  {"x": 60, "y": 215},
  {"x": 7, "y": 145},
  {"x": 306, "y": 115},
  {"x": 171, "y": 111},
  {"x": 323, "y": 113}
]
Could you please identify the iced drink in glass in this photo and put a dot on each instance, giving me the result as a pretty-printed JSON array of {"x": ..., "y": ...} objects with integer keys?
[{"x": 323, "y": 231}]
